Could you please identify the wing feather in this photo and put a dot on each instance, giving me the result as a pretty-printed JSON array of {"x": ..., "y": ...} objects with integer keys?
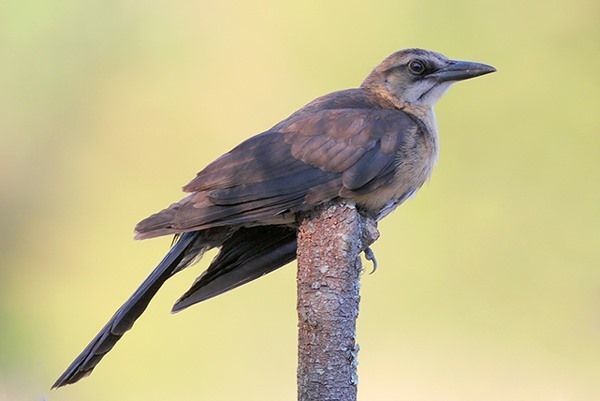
[{"x": 307, "y": 159}]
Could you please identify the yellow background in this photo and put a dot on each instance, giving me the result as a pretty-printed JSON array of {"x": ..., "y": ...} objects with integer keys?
[{"x": 489, "y": 280}]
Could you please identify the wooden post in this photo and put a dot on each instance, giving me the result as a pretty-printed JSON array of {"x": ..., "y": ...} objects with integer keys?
[{"x": 330, "y": 240}]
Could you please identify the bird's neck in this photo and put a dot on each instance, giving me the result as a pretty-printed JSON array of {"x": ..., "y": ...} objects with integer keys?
[
  {"x": 423, "y": 113},
  {"x": 426, "y": 115},
  {"x": 386, "y": 99}
]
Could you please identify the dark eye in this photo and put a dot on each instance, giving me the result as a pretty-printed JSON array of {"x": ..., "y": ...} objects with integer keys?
[{"x": 416, "y": 67}]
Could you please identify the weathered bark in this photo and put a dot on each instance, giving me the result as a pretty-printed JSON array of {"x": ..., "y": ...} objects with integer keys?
[{"x": 330, "y": 240}]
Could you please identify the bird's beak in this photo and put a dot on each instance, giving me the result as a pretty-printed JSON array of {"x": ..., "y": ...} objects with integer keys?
[{"x": 457, "y": 70}]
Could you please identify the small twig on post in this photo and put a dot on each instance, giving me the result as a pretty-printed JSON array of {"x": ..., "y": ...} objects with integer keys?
[{"x": 330, "y": 240}]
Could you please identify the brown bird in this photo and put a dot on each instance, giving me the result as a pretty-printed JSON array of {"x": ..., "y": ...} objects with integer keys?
[{"x": 374, "y": 145}]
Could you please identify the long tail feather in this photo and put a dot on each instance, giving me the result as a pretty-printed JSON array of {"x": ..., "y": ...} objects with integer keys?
[{"x": 128, "y": 313}]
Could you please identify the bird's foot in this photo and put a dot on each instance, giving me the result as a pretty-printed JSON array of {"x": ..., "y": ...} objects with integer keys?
[
  {"x": 369, "y": 236},
  {"x": 370, "y": 256}
]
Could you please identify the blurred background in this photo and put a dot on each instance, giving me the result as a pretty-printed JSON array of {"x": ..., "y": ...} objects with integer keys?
[{"x": 489, "y": 280}]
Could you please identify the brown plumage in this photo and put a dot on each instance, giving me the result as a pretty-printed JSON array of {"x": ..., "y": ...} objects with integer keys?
[{"x": 374, "y": 145}]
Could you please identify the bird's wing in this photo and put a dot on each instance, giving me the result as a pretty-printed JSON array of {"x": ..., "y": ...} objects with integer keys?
[{"x": 308, "y": 159}]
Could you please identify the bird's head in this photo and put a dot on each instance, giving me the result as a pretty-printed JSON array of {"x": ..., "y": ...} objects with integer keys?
[{"x": 420, "y": 77}]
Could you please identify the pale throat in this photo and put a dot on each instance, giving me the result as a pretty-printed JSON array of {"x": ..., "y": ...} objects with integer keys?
[{"x": 425, "y": 113}]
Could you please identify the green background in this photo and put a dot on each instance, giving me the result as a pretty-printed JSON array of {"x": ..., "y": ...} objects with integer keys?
[{"x": 489, "y": 279}]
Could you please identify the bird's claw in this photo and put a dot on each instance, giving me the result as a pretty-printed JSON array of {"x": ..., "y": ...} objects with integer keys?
[{"x": 370, "y": 256}]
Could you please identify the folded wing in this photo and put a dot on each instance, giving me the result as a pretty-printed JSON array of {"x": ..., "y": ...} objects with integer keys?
[{"x": 309, "y": 158}]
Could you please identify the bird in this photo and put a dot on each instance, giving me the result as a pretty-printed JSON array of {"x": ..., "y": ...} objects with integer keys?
[{"x": 374, "y": 145}]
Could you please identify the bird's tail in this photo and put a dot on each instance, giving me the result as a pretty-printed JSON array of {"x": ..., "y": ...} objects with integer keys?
[
  {"x": 248, "y": 254},
  {"x": 128, "y": 313}
]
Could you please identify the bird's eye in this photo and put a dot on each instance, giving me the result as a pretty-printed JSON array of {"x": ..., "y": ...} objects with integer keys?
[{"x": 417, "y": 67}]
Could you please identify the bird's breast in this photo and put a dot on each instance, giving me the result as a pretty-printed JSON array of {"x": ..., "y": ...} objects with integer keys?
[{"x": 414, "y": 162}]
